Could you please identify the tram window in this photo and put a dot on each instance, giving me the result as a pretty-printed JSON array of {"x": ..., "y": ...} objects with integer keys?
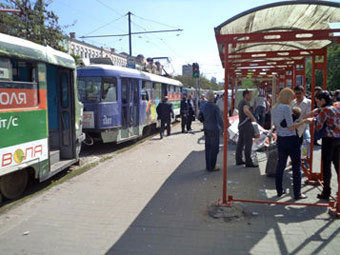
[
  {"x": 109, "y": 89},
  {"x": 135, "y": 91},
  {"x": 64, "y": 91},
  {"x": 157, "y": 91},
  {"x": 145, "y": 94},
  {"x": 18, "y": 84},
  {"x": 172, "y": 89},
  {"x": 89, "y": 89},
  {"x": 124, "y": 91}
]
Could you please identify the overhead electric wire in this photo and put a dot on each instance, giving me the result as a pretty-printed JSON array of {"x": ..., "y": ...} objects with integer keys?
[
  {"x": 158, "y": 39},
  {"x": 109, "y": 7},
  {"x": 150, "y": 20},
  {"x": 78, "y": 11},
  {"x": 175, "y": 53},
  {"x": 109, "y": 23}
]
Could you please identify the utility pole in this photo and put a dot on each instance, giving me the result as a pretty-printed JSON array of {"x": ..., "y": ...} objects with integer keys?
[
  {"x": 196, "y": 75},
  {"x": 130, "y": 42},
  {"x": 197, "y": 94}
]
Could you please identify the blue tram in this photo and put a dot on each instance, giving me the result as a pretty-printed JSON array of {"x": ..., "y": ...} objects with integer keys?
[{"x": 120, "y": 103}]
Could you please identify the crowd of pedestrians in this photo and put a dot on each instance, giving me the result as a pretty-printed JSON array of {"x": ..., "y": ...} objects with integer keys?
[
  {"x": 291, "y": 116},
  {"x": 291, "y": 134}
]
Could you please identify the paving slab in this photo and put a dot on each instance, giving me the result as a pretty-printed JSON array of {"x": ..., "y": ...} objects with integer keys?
[{"x": 154, "y": 199}]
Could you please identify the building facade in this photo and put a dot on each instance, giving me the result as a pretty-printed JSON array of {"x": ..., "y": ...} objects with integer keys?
[
  {"x": 187, "y": 70},
  {"x": 87, "y": 51}
]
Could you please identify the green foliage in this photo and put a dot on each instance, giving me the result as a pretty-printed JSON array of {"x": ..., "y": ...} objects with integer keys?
[
  {"x": 247, "y": 84},
  {"x": 333, "y": 69},
  {"x": 189, "y": 81},
  {"x": 34, "y": 22},
  {"x": 77, "y": 58}
]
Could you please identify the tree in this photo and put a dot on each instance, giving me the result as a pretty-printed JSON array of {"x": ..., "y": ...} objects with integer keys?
[
  {"x": 34, "y": 22},
  {"x": 77, "y": 58},
  {"x": 333, "y": 69}
]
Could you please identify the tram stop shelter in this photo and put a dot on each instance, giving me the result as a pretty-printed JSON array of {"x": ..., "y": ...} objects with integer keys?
[{"x": 271, "y": 43}]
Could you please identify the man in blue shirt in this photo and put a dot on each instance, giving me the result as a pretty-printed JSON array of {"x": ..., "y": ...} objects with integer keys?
[{"x": 213, "y": 125}]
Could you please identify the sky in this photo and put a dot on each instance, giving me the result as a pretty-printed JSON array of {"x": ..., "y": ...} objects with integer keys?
[{"x": 197, "y": 18}]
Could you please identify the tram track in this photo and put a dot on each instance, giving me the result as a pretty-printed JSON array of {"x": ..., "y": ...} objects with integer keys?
[{"x": 90, "y": 156}]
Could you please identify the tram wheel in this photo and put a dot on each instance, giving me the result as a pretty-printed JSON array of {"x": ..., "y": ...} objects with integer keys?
[
  {"x": 14, "y": 184},
  {"x": 146, "y": 131},
  {"x": 89, "y": 141}
]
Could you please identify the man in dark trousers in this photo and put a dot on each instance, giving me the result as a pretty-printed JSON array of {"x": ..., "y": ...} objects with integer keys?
[
  {"x": 165, "y": 113},
  {"x": 246, "y": 130},
  {"x": 191, "y": 112},
  {"x": 184, "y": 113},
  {"x": 213, "y": 125}
]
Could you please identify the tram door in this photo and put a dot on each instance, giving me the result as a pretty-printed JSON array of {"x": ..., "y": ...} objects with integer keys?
[
  {"x": 66, "y": 117},
  {"x": 130, "y": 108}
]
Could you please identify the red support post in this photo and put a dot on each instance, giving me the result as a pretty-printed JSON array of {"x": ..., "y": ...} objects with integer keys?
[
  {"x": 324, "y": 69},
  {"x": 338, "y": 196},
  {"x": 294, "y": 76},
  {"x": 310, "y": 178},
  {"x": 285, "y": 79},
  {"x": 226, "y": 122},
  {"x": 233, "y": 94},
  {"x": 304, "y": 75}
]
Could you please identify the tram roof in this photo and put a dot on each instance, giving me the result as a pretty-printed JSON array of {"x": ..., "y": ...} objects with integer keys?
[
  {"x": 124, "y": 72},
  {"x": 278, "y": 17},
  {"x": 17, "y": 47}
]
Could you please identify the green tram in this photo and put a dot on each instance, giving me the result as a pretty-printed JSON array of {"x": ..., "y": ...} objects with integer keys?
[{"x": 40, "y": 115}]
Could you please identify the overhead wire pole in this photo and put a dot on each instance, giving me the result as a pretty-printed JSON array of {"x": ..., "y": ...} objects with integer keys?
[{"x": 130, "y": 42}]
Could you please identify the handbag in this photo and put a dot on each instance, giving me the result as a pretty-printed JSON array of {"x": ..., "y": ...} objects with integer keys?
[{"x": 256, "y": 130}]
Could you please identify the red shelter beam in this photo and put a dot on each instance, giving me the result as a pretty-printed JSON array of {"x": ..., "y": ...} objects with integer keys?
[
  {"x": 286, "y": 36},
  {"x": 273, "y": 54}
]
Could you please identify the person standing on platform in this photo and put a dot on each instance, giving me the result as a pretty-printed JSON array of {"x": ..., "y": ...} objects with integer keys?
[
  {"x": 317, "y": 90},
  {"x": 184, "y": 111},
  {"x": 246, "y": 131},
  {"x": 260, "y": 109},
  {"x": 328, "y": 120},
  {"x": 213, "y": 126},
  {"x": 202, "y": 102},
  {"x": 165, "y": 113},
  {"x": 305, "y": 105},
  {"x": 287, "y": 142},
  {"x": 220, "y": 104},
  {"x": 191, "y": 115}
]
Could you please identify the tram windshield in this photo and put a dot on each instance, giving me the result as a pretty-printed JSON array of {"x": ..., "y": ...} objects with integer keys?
[{"x": 97, "y": 89}]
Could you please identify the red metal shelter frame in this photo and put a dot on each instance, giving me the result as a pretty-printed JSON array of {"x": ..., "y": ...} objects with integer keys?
[
  {"x": 9, "y": 10},
  {"x": 291, "y": 64}
]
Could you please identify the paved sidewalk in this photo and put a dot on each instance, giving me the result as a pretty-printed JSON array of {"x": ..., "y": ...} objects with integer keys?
[{"x": 154, "y": 198}]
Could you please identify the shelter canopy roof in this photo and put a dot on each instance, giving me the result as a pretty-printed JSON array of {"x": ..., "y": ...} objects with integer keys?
[{"x": 281, "y": 17}]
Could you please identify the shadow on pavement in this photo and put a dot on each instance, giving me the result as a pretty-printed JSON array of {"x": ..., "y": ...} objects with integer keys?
[{"x": 176, "y": 221}]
